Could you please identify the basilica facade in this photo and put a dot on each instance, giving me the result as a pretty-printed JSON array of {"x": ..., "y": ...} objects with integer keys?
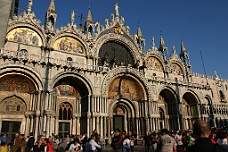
[{"x": 75, "y": 79}]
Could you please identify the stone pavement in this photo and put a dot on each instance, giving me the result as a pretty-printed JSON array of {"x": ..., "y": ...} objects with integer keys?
[{"x": 138, "y": 148}]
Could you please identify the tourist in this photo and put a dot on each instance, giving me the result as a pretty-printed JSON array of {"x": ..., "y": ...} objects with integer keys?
[
  {"x": 4, "y": 138},
  {"x": 117, "y": 141},
  {"x": 167, "y": 143},
  {"x": 132, "y": 141},
  {"x": 92, "y": 145},
  {"x": 126, "y": 143},
  {"x": 178, "y": 138},
  {"x": 3, "y": 147},
  {"x": 203, "y": 143}
]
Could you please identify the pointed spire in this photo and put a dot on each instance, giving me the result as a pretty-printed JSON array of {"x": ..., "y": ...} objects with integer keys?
[
  {"x": 51, "y": 8},
  {"x": 162, "y": 46},
  {"x": 73, "y": 15},
  {"x": 184, "y": 55},
  {"x": 29, "y": 6},
  {"x": 51, "y": 16},
  {"x": 139, "y": 32},
  {"x": 89, "y": 18},
  {"x": 182, "y": 47}
]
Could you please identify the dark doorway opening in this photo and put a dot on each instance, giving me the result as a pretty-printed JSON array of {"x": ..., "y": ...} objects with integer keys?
[
  {"x": 10, "y": 128},
  {"x": 118, "y": 122}
]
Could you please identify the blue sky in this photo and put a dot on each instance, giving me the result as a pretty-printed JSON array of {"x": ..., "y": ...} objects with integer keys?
[{"x": 201, "y": 24}]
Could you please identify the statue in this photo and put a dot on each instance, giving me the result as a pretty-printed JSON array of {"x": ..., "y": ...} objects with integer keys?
[
  {"x": 73, "y": 15},
  {"x": 153, "y": 43},
  {"x": 174, "y": 49},
  {"x": 121, "y": 20},
  {"x": 113, "y": 18},
  {"x": 50, "y": 26},
  {"x": 29, "y": 6},
  {"x": 106, "y": 23},
  {"x": 117, "y": 10}
]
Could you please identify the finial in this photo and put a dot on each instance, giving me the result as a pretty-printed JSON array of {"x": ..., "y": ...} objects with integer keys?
[
  {"x": 29, "y": 6},
  {"x": 73, "y": 15},
  {"x": 117, "y": 10},
  {"x": 153, "y": 43},
  {"x": 174, "y": 49},
  {"x": 162, "y": 43}
]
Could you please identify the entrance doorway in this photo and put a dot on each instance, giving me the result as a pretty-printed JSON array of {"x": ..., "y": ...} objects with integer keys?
[
  {"x": 118, "y": 122},
  {"x": 10, "y": 128},
  {"x": 64, "y": 129}
]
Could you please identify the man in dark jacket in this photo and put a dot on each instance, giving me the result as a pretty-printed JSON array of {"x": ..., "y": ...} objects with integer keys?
[
  {"x": 117, "y": 141},
  {"x": 201, "y": 131},
  {"x": 30, "y": 143}
]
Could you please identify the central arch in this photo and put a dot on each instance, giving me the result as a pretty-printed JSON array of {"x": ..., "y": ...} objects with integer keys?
[
  {"x": 72, "y": 90},
  {"x": 190, "y": 108},
  {"x": 168, "y": 109}
]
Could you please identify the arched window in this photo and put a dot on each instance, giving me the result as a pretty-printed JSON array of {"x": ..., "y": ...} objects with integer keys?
[
  {"x": 162, "y": 115},
  {"x": 69, "y": 61},
  {"x": 222, "y": 96},
  {"x": 65, "y": 111}
]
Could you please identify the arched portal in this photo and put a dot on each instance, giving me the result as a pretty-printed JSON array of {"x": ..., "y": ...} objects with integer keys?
[
  {"x": 124, "y": 116},
  {"x": 72, "y": 97},
  {"x": 167, "y": 103},
  {"x": 190, "y": 109},
  {"x": 127, "y": 98},
  {"x": 15, "y": 104}
]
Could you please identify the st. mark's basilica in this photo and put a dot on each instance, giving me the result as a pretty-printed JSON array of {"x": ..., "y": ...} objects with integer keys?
[{"x": 75, "y": 79}]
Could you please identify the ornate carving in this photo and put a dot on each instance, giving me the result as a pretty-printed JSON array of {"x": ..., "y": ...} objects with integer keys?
[
  {"x": 16, "y": 83},
  {"x": 13, "y": 105}
]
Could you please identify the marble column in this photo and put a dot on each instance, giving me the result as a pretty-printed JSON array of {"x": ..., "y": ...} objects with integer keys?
[
  {"x": 109, "y": 127},
  {"x": 102, "y": 127},
  {"x": 39, "y": 100},
  {"x": 27, "y": 125},
  {"x": 137, "y": 126},
  {"x": 105, "y": 127},
  {"x": 93, "y": 123},
  {"x": 74, "y": 125},
  {"x": 31, "y": 124},
  {"x": 78, "y": 126},
  {"x": 56, "y": 125},
  {"x": 88, "y": 126},
  {"x": 30, "y": 102},
  {"x": 36, "y": 127},
  {"x": 48, "y": 126}
]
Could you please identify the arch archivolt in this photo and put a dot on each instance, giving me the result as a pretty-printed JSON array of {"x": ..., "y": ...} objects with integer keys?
[
  {"x": 134, "y": 74},
  {"x": 171, "y": 90},
  {"x": 193, "y": 93},
  {"x": 127, "y": 105},
  {"x": 22, "y": 70},
  {"x": 79, "y": 76},
  {"x": 116, "y": 37}
]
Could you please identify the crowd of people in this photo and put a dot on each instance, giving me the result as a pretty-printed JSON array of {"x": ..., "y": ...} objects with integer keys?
[
  {"x": 201, "y": 139},
  {"x": 74, "y": 143}
]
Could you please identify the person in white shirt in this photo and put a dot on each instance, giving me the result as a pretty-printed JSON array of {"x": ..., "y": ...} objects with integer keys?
[
  {"x": 73, "y": 146},
  {"x": 93, "y": 145}
]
